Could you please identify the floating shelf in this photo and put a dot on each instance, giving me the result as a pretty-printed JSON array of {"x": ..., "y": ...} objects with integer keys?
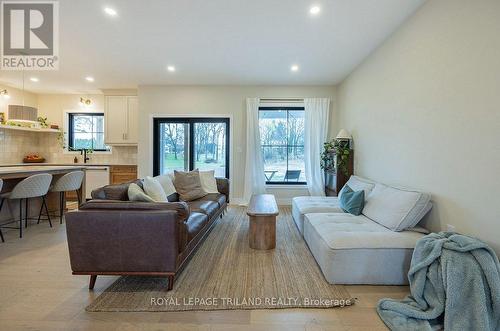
[{"x": 20, "y": 128}]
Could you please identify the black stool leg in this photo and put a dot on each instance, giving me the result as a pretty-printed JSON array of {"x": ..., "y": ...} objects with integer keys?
[
  {"x": 26, "y": 206},
  {"x": 46, "y": 210},
  {"x": 1, "y": 234},
  {"x": 20, "y": 218},
  {"x": 40, "y": 213},
  {"x": 79, "y": 198},
  {"x": 61, "y": 206}
]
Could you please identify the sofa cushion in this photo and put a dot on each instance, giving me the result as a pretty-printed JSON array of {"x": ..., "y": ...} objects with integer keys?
[
  {"x": 352, "y": 202},
  {"x": 396, "y": 209},
  {"x": 223, "y": 186},
  {"x": 114, "y": 191},
  {"x": 195, "y": 223},
  {"x": 135, "y": 193},
  {"x": 346, "y": 231},
  {"x": 355, "y": 250},
  {"x": 154, "y": 189},
  {"x": 208, "y": 182},
  {"x": 167, "y": 184},
  {"x": 188, "y": 185},
  {"x": 206, "y": 207},
  {"x": 181, "y": 208},
  {"x": 217, "y": 197},
  {"x": 305, "y": 205},
  {"x": 357, "y": 183}
]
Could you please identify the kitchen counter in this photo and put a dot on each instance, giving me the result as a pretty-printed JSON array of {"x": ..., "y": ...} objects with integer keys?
[
  {"x": 64, "y": 164},
  {"x": 19, "y": 171}
]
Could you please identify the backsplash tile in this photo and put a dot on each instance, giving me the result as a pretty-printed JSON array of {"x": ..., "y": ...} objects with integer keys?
[{"x": 14, "y": 145}]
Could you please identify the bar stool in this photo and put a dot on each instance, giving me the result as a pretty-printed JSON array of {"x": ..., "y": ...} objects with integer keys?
[
  {"x": 31, "y": 187},
  {"x": 1, "y": 205},
  {"x": 72, "y": 181}
]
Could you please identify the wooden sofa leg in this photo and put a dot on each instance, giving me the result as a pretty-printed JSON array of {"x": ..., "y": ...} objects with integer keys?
[
  {"x": 92, "y": 281},
  {"x": 170, "y": 283}
]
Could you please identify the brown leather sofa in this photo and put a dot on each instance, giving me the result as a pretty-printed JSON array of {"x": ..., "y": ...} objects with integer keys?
[{"x": 110, "y": 235}]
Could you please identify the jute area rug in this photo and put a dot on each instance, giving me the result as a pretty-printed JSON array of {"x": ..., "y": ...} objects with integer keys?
[{"x": 225, "y": 273}]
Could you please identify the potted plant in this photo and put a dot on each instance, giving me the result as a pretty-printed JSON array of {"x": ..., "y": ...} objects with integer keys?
[{"x": 335, "y": 157}]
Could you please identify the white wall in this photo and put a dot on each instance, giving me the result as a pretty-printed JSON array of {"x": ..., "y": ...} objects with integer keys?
[
  {"x": 17, "y": 97},
  {"x": 424, "y": 111},
  {"x": 53, "y": 106},
  {"x": 210, "y": 100}
]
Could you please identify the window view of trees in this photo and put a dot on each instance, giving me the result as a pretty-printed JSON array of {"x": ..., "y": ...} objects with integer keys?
[
  {"x": 172, "y": 143},
  {"x": 282, "y": 141},
  {"x": 87, "y": 132},
  {"x": 209, "y": 146}
]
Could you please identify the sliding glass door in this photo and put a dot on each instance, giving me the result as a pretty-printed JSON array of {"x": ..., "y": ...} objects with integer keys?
[{"x": 191, "y": 143}]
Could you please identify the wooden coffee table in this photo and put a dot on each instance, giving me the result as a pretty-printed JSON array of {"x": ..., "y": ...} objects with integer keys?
[{"x": 262, "y": 211}]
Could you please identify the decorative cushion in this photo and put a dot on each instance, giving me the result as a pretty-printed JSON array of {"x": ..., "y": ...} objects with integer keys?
[
  {"x": 167, "y": 185},
  {"x": 352, "y": 202},
  {"x": 208, "y": 181},
  {"x": 153, "y": 188},
  {"x": 135, "y": 193},
  {"x": 396, "y": 209},
  {"x": 188, "y": 185},
  {"x": 357, "y": 184}
]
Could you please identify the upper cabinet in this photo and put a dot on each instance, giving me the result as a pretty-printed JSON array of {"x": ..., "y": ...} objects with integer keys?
[{"x": 121, "y": 117}]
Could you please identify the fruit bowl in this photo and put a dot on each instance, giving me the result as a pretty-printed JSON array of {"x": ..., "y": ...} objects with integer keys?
[{"x": 34, "y": 158}]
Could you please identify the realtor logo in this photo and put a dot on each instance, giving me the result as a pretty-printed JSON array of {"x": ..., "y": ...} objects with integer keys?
[{"x": 30, "y": 35}]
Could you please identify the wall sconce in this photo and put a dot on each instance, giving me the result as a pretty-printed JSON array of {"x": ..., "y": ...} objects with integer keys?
[
  {"x": 85, "y": 102},
  {"x": 5, "y": 94}
]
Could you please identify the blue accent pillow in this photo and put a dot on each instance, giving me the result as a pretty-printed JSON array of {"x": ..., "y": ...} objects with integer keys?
[{"x": 352, "y": 202}]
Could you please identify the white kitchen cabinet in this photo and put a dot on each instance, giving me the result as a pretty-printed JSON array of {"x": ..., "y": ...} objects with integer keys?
[{"x": 121, "y": 115}]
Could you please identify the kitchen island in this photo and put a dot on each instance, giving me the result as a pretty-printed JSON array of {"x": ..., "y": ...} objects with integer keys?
[{"x": 13, "y": 175}]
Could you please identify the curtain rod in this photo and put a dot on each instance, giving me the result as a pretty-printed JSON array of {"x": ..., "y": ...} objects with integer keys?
[{"x": 291, "y": 100}]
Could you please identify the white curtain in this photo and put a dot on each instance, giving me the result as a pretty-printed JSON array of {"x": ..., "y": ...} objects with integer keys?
[
  {"x": 255, "y": 180},
  {"x": 315, "y": 133}
]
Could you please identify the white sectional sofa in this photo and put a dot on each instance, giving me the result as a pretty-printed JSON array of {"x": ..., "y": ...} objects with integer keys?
[{"x": 372, "y": 248}]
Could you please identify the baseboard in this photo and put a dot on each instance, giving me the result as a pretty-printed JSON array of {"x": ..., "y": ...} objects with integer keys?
[
  {"x": 279, "y": 201},
  {"x": 237, "y": 202}
]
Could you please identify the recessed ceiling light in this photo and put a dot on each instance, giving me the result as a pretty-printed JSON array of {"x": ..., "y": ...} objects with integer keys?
[
  {"x": 294, "y": 67},
  {"x": 34, "y": 79},
  {"x": 110, "y": 11},
  {"x": 171, "y": 68},
  {"x": 315, "y": 10},
  {"x": 89, "y": 79}
]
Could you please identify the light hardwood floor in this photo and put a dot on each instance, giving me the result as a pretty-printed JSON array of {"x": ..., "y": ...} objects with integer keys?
[{"x": 38, "y": 292}]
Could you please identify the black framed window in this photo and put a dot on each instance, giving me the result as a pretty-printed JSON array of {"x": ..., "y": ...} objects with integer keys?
[
  {"x": 282, "y": 142},
  {"x": 86, "y": 131},
  {"x": 191, "y": 143}
]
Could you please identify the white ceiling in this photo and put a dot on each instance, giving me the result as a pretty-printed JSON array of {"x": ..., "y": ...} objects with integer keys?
[{"x": 244, "y": 42}]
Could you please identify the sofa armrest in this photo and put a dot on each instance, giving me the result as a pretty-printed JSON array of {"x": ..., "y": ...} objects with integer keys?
[
  {"x": 223, "y": 186},
  {"x": 121, "y": 240}
]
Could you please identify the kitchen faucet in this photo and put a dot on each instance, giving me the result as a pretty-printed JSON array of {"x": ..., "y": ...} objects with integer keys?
[{"x": 84, "y": 153}]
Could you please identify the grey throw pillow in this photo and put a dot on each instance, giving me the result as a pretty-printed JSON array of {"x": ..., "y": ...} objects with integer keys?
[{"x": 188, "y": 185}]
